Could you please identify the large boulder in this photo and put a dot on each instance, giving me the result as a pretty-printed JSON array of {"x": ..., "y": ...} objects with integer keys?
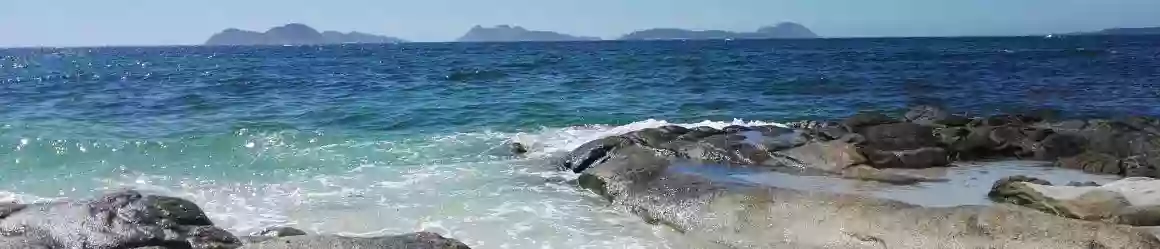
[
  {"x": 737, "y": 215},
  {"x": 126, "y": 219},
  {"x": 926, "y": 115},
  {"x": 1130, "y": 201},
  {"x": 860, "y": 120},
  {"x": 899, "y": 136},
  {"x": 421, "y": 240}
]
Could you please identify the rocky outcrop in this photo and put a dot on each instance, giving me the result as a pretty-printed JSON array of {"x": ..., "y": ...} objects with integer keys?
[
  {"x": 677, "y": 176},
  {"x": 421, "y": 240},
  {"x": 129, "y": 219},
  {"x": 508, "y": 33},
  {"x": 786, "y": 30},
  {"x": 1131, "y": 201},
  {"x": 294, "y": 34},
  {"x": 119, "y": 220},
  {"x": 664, "y": 190}
]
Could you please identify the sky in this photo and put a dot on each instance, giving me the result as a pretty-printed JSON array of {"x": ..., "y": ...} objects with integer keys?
[{"x": 173, "y": 22}]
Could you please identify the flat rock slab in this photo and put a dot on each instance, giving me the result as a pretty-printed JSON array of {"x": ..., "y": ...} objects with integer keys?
[{"x": 421, "y": 240}]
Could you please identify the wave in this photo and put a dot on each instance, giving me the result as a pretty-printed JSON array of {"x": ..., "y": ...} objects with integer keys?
[{"x": 465, "y": 185}]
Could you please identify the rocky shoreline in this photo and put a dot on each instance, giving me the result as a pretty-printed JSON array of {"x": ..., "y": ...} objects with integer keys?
[
  {"x": 678, "y": 177},
  {"x": 657, "y": 174},
  {"x": 130, "y": 219}
]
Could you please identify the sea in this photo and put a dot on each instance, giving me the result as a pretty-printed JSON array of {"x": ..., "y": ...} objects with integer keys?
[{"x": 376, "y": 139}]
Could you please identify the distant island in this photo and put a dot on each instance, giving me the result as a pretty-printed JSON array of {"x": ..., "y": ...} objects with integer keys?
[
  {"x": 1124, "y": 31},
  {"x": 785, "y": 30},
  {"x": 294, "y": 34},
  {"x": 508, "y": 33}
]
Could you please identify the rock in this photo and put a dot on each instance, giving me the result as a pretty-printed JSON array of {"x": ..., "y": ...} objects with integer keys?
[
  {"x": 833, "y": 132},
  {"x": 755, "y": 216},
  {"x": 1056, "y": 146},
  {"x": 908, "y": 159},
  {"x": 735, "y": 129},
  {"x": 592, "y": 152},
  {"x": 1082, "y": 184},
  {"x": 518, "y": 148},
  {"x": 954, "y": 121},
  {"x": 421, "y": 240},
  {"x": 899, "y": 136},
  {"x": 865, "y": 119},
  {"x": 125, "y": 219},
  {"x": 926, "y": 115},
  {"x": 279, "y": 231},
  {"x": 656, "y": 137},
  {"x": 699, "y": 133},
  {"x": 831, "y": 156},
  {"x": 1092, "y": 162},
  {"x": 1130, "y": 201}
]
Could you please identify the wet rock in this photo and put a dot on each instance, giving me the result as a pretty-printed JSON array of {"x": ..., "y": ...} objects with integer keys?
[
  {"x": 1056, "y": 146},
  {"x": 279, "y": 231},
  {"x": 125, "y": 219},
  {"x": 748, "y": 216},
  {"x": 1083, "y": 184},
  {"x": 518, "y": 148},
  {"x": 907, "y": 159},
  {"x": 422, "y": 240},
  {"x": 1130, "y": 201},
  {"x": 1092, "y": 162},
  {"x": 735, "y": 129},
  {"x": 926, "y": 115},
  {"x": 900, "y": 136},
  {"x": 954, "y": 121},
  {"x": 833, "y": 132},
  {"x": 593, "y": 152},
  {"x": 866, "y": 119},
  {"x": 655, "y": 137},
  {"x": 700, "y": 132}
]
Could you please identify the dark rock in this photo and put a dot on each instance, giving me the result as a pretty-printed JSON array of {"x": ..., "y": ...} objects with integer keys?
[
  {"x": 926, "y": 115},
  {"x": 866, "y": 119},
  {"x": 518, "y": 148},
  {"x": 699, "y": 133},
  {"x": 1083, "y": 184},
  {"x": 593, "y": 152},
  {"x": 735, "y": 129},
  {"x": 125, "y": 219},
  {"x": 1135, "y": 166},
  {"x": 954, "y": 121},
  {"x": 421, "y": 240},
  {"x": 656, "y": 137},
  {"x": 833, "y": 132},
  {"x": 1057, "y": 146},
  {"x": 907, "y": 159},
  {"x": 900, "y": 136},
  {"x": 1092, "y": 162}
]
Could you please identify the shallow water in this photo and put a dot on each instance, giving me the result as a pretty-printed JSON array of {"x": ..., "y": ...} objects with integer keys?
[{"x": 384, "y": 139}]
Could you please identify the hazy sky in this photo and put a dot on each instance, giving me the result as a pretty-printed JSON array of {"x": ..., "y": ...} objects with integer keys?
[{"x": 154, "y": 22}]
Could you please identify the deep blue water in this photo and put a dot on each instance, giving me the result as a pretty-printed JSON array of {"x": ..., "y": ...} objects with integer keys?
[{"x": 290, "y": 134}]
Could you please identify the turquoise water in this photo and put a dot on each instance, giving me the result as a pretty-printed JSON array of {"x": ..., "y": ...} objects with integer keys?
[{"x": 383, "y": 139}]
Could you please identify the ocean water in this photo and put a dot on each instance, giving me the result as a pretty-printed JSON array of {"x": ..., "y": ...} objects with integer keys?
[{"x": 386, "y": 139}]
